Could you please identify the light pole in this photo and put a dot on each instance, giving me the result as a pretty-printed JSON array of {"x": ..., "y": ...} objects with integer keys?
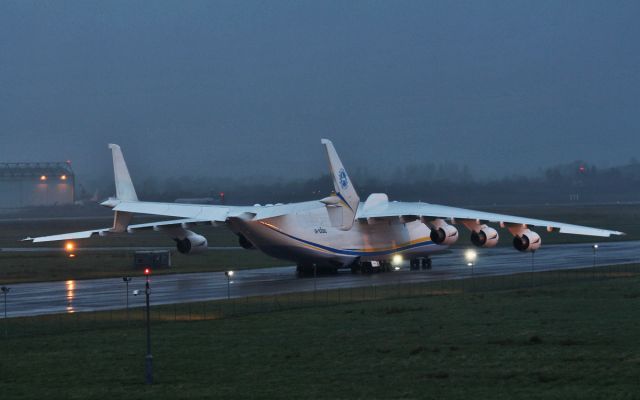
[
  {"x": 5, "y": 292},
  {"x": 148, "y": 358},
  {"x": 126, "y": 280},
  {"x": 471, "y": 256},
  {"x": 595, "y": 253},
  {"x": 228, "y": 274}
]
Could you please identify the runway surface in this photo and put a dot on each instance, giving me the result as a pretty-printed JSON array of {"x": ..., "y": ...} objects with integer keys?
[{"x": 29, "y": 299}]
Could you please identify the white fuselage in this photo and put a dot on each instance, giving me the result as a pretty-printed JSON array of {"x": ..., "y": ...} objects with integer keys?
[{"x": 307, "y": 236}]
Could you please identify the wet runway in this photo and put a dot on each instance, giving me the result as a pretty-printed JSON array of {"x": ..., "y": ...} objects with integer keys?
[{"x": 103, "y": 294}]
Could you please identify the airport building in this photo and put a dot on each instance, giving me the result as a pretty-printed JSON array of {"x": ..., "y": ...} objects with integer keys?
[{"x": 36, "y": 184}]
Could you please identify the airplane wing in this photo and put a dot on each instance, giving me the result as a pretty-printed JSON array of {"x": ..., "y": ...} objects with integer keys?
[
  {"x": 193, "y": 211},
  {"x": 408, "y": 211},
  {"x": 184, "y": 223}
]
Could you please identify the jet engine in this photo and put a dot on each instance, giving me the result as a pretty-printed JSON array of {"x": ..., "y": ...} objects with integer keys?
[
  {"x": 485, "y": 237},
  {"x": 244, "y": 242},
  {"x": 528, "y": 240},
  {"x": 192, "y": 243},
  {"x": 444, "y": 234}
]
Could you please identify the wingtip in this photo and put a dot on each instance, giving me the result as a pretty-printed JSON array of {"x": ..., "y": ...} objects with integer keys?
[
  {"x": 113, "y": 146},
  {"x": 325, "y": 141},
  {"x": 27, "y": 239}
]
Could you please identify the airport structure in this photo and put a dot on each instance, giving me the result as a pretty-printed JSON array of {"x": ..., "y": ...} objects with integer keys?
[{"x": 32, "y": 184}]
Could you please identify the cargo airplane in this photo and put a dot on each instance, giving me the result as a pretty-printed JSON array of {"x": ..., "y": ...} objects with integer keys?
[{"x": 338, "y": 231}]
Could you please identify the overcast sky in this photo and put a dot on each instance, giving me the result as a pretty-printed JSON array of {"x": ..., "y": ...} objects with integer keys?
[{"x": 243, "y": 87}]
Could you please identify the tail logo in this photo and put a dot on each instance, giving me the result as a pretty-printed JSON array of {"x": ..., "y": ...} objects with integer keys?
[{"x": 342, "y": 176}]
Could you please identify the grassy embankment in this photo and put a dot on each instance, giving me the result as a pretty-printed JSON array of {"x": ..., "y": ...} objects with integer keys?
[
  {"x": 567, "y": 340},
  {"x": 20, "y": 267}
]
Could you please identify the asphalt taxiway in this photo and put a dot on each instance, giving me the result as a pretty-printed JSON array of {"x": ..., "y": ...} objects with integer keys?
[{"x": 29, "y": 299}]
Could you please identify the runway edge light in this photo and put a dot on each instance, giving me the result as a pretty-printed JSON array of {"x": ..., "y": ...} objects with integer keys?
[{"x": 69, "y": 248}]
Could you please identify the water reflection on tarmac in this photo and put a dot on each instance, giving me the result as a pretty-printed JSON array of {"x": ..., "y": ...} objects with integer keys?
[{"x": 104, "y": 294}]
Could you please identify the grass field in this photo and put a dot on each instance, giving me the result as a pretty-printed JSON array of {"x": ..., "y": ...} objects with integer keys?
[
  {"x": 567, "y": 340},
  {"x": 40, "y": 267}
]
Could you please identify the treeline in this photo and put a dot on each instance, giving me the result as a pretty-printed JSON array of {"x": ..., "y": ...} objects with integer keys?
[{"x": 438, "y": 183}]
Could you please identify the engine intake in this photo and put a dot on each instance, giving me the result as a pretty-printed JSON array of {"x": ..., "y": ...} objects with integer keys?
[
  {"x": 444, "y": 234},
  {"x": 485, "y": 237},
  {"x": 528, "y": 240},
  {"x": 192, "y": 243}
]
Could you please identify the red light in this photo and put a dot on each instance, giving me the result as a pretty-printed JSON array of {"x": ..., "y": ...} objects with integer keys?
[
  {"x": 147, "y": 271},
  {"x": 582, "y": 168},
  {"x": 221, "y": 194}
]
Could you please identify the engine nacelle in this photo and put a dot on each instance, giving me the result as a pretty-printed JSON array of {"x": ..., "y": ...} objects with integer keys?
[
  {"x": 528, "y": 240},
  {"x": 444, "y": 234},
  {"x": 485, "y": 237},
  {"x": 192, "y": 243},
  {"x": 244, "y": 242}
]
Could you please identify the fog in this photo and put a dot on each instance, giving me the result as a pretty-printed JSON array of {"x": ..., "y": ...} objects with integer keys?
[{"x": 228, "y": 89}]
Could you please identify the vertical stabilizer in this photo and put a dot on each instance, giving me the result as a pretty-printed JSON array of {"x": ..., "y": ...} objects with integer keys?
[
  {"x": 343, "y": 186},
  {"x": 124, "y": 189},
  {"x": 124, "y": 186}
]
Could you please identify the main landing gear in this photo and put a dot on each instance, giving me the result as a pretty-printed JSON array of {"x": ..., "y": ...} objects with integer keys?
[
  {"x": 417, "y": 264},
  {"x": 310, "y": 270},
  {"x": 364, "y": 267},
  {"x": 369, "y": 267}
]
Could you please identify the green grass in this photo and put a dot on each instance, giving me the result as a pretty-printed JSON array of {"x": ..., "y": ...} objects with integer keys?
[
  {"x": 567, "y": 340},
  {"x": 36, "y": 267}
]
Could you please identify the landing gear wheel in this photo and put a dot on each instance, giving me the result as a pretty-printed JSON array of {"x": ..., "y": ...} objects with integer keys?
[
  {"x": 425, "y": 263},
  {"x": 304, "y": 270},
  {"x": 367, "y": 268}
]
